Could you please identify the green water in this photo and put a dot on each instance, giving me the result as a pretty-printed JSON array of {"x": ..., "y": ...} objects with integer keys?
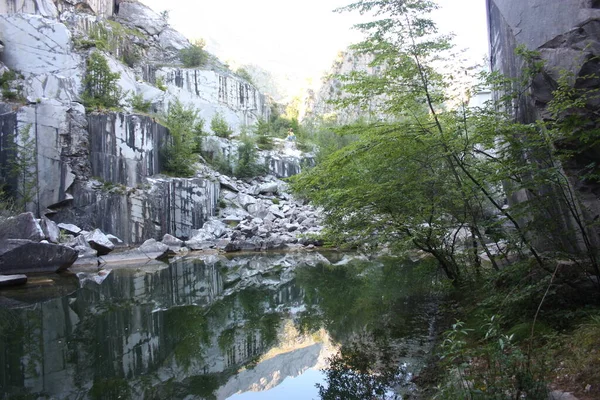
[{"x": 250, "y": 327}]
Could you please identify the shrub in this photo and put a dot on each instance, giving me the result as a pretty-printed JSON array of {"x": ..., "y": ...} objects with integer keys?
[
  {"x": 194, "y": 56},
  {"x": 139, "y": 104},
  {"x": 247, "y": 166},
  {"x": 262, "y": 129},
  {"x": 101, "y": 89},
  {"x": 245, "y": 75},
  {"x": 9, "y": 92},
  {"x": 220, "y": 127},
  {"x": 160, "y": 84}
]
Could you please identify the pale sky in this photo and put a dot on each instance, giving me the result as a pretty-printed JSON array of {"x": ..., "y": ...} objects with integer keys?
[{"x": 298, "y": 38}]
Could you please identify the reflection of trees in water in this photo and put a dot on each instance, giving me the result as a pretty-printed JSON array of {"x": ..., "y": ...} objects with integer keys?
[
  {"x": 370, "y": 310},
  {"x": 363, "y": 369}
]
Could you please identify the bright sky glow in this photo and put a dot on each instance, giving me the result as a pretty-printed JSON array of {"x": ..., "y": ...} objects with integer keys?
[{"x": 299, "y": 39}]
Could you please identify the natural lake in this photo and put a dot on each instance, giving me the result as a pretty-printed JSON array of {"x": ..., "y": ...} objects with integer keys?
[{"x": 254, "y": 326}]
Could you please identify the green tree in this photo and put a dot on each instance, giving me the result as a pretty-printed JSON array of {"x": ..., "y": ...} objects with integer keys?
[
  {"x": 178, "y": 153},
  {"x": 401, "y": 179},
  {"x": 244, "y": 74},
  {"x": 101, "y": 89},
  {"x": 432, "y": 175},
  {"x": 18, "y": 175},
  {"x": 220, "y": 127},
  {"x": 262, "y": 130},
  {"x": 247, "y": 156},
  {"x": 194, "y": 55}
]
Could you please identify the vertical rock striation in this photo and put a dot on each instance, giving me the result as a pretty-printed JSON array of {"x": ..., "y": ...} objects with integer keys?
[{"x": 566, "y": 34}]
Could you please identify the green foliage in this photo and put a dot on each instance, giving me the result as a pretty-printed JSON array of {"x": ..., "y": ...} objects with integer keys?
[
  {"x": 220, "y": 127},
  {"x": 195, "y": 55},
  {"x": 179, "y": 154},
  {"x": 110, "y": 36},
  {"x": 7, "y": 205},
  {"x": 139, "y": 104},
  {"x": 326, "y": 137},
  {"x": 247, "y": 166},
  {"x": 496, "y": 369},
  {"x": 20, "y": 172},
  {"x": 262, "y": 130},
  {"x": 101, "y": 90},
  {"x": 160, "y": 84},
  {"x": 362, "y": 370},
  {"x": 199, "y": 134},
  {"x": 245, "y": 75},
  {"x": 432, "y": 172},
  {"x": 10, "y": 92}
]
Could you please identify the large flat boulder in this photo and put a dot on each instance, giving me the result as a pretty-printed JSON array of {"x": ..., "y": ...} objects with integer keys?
[
  {"x": 99, "y": 242},
  {"x": 18, "y": 256},
  {"x": 23, "y": 226}
]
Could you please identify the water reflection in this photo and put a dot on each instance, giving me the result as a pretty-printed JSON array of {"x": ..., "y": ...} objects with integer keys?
[{"x": 208, "y": 329}]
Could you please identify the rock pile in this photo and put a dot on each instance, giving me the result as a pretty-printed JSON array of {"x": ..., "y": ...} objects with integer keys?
[{"x": 257, "y": 215}]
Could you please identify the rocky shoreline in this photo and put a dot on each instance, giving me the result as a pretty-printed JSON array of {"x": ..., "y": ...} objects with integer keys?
[{"x": 253, "y": 215}]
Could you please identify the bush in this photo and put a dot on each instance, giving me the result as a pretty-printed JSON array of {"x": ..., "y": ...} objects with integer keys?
[
  {"x": 247, "y": 166},
  {"x": 262, "y": 129},
  {"x": 160, "y": 84},
  {"x": 9, "y": 92},
  {"x": 245, "y": 75},
  {"x": 194, "y": 56},
  {"x": 139, "y": 104},
  {"x": 101, "y": 89},
  {"x": 220, "y": 127}
]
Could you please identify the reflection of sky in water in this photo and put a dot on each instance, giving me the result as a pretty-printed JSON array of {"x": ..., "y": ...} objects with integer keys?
[{"x": 301, "y": 387}]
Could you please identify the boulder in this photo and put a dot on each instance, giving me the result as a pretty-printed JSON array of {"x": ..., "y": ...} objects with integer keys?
[
  {"x": 227, "y": 183},
  {"x": 154, "y": 249},
  {"x": 170, "y": 39},
  {"x": 141, "y": 16},
  {"x": 245, "y": 200},
  {"x": 83, "y": 247},
  {"x": 269, "y": 187},
  {"x": 172, "y": 241},
  {"x": 12, "y": 280},
  {"x": 26, "y": 256},
  {"x": 200, "y": 235},
  {"x": 99, "y": 242},
  {"x": 23, "y": 226},
  {"x": 51, "y": 230},
  {"x": 114, "y": 239},
  {"x": 215, "y": 228},
  {"x": 274, "y": 209},
  {"x": 70, "y": 228}
]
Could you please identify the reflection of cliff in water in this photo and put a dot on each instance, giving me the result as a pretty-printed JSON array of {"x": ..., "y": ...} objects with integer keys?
[{"x": 158, "y": 332}]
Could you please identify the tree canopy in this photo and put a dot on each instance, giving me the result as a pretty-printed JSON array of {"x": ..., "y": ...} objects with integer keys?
[{"x": 431, "y": 174}]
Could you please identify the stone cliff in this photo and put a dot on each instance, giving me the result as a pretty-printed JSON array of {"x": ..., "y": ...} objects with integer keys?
[
  {"x": 566, "y": 35},
  {"x": 317, "y": 105},
  {"x": 100, "y": 169}
]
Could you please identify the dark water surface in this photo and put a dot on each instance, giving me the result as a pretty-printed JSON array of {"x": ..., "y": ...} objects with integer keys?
[{"x": 277, "y": 326}]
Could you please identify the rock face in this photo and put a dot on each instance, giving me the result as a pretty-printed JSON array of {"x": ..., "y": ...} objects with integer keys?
[
  {"x": 125, "y": 148},
  {"x": 102, "y": 169},
  {"x": 316, "y": 105},
  {"x": 566, "y": 35}
]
